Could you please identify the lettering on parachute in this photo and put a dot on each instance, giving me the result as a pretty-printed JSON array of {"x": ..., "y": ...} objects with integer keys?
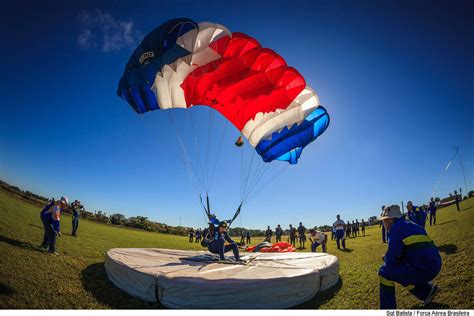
[{"x": 145, "y": 56}]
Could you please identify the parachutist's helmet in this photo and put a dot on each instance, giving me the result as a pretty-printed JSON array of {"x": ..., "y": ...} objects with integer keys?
[{"x": 223, "y": 224}]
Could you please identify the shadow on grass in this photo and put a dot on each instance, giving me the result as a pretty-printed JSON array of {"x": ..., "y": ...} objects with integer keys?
[
  {"x": 19, "y": 243},
  {"x": 432, "y": 305},
  {"x": 36, "y": 226},
  {"x": 454, "y": 220},
  {"x": 95, "y": 281},
  {"x": 346, "y": 250},
  {"x": 6, "y": 289},
  {"x": 321, "y": 297},
  {"x": 448, "y": 248}
]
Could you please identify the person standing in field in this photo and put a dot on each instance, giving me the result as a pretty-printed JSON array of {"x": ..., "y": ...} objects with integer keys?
[
  {"x": 456, "y": 199},
  {"x": 412, "y": 260},
  {"x": 247, "y": 237},
  {"x": 384, "y": 233},
  {"x": 198, "y": 235},
  {"x": 191, "y": 235},
  {"x": 242, "y": 237},
  {"x": 278, "y": 233},
  {"x": 301, "y": 235},
  {"x": 339, "y": 226},
  {"x": 362, "y": 225},
  {"x": 348, "y": 229},
  {"x": 357, "y": 228},
  {"x": 354, "y": 229},
  {"x": 333, "y": 233},
  {"x": 432, "y": 210},
  {"x": 52, "y": 218},
  {"x": 45, "y": 223},
  {"x": 292, "y": 236},
  {"x": 268, "y": 234},
  {"x": 76, "y": 208},
  {"x": 416, "y": 214}
]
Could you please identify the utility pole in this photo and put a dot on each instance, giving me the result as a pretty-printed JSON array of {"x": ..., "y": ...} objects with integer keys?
[{"x": 462, "y": 168}]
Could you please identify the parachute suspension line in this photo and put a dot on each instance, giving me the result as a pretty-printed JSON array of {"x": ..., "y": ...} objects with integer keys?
[
  {"x": 258, "y": 176},
  {"x": 441, "y": 177},
  {"x": 247, "y": 174},
  {"x": 261, "y": 187},
  {"x": 187, "y": 159},
  {"x": 241, "y": 173},
  {"x": 206, "y": 161},
  {"x": 196, "y": 146},
  {"x": 218, "y": 153}
]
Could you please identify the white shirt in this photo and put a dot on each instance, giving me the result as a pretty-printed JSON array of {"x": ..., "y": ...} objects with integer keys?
[
  {"x": 339, "y": 224},
  {"x": 317, "y": 237}
]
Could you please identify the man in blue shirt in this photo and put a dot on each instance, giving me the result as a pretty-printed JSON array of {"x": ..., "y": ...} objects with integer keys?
[
  {"x": 432, "y": 210},
  {"x": 51, "y": 219},
  {"x": 76, "y": 208},
  {"x": 412, "y": 260},
  {"x": 45, "y": 222},
  {"x": 339, "y": 226},
  {"x": 416, "y": 214},
  {"x": 218, "y": 246}
]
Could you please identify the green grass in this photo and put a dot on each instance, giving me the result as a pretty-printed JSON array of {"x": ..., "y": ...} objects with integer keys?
[{"x": 30, "y": 278}]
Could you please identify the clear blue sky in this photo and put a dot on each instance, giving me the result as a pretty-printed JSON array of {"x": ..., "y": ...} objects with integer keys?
[{"x": 396, "y": 77}]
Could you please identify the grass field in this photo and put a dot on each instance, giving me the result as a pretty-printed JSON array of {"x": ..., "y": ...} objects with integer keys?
[{"x": 30, "y": 278}]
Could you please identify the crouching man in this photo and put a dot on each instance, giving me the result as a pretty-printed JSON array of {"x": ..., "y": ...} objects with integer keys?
[
  {"x": 412, "y": 260},
  {"x": 218, "y": 246}
]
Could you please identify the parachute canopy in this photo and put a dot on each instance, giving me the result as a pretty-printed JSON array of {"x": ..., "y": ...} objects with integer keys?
[{"x": 181, "y": 64}]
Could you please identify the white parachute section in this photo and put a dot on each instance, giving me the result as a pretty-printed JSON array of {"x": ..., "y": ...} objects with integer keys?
[{"x": 193, "y": 279}]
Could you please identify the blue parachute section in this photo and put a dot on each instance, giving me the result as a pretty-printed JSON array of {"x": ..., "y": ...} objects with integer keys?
[
  {"x": 288, "y": 144},
  {"x": 157, "y": 49}
]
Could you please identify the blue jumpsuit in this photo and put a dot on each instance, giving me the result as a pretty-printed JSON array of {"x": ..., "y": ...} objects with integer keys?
[
  {"x": 219, "y": 247},
  {"x": 45, "y": 222},
  {"x": 412, "y": 260}
]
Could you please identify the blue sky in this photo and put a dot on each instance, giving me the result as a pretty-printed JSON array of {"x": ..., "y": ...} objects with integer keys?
[{"x": 396, "y": 77}]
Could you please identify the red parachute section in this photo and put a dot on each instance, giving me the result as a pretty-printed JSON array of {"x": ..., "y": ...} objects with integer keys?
[
  {"x": 246, "y": 80},
  {"x": 278, "y": 247}
]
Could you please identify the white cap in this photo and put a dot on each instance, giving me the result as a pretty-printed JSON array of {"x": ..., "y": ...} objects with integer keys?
[
  {"x": 392, "y": 211},
  {"x": 65, "y": 199}
]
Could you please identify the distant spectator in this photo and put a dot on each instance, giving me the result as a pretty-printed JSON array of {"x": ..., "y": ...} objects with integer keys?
[
  {"x": 333, "y": 233},
  {"x": 302, "y": 235},
  {"x": 432, "y": 211},
  {"x": 456, "y": 199},
  {"x": 292, "y": 236},
  {"x": 357, "y": 228},
  {"x": 242, "y": 237},
  {"x": 268, "y": 234},
  {"x": 384, "y": 232},
  {"x": 76, "y": 208},
  {"x": 247, "y": 237},
  {"x": 348, "y": 230},
  {"x": 278, "y": 233},
  {"x": 339, "y": 226},
  {"x": 198, "y": 235},
  {"x": 362, "y": 225},
  {"x": 191, "y": 235}
]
